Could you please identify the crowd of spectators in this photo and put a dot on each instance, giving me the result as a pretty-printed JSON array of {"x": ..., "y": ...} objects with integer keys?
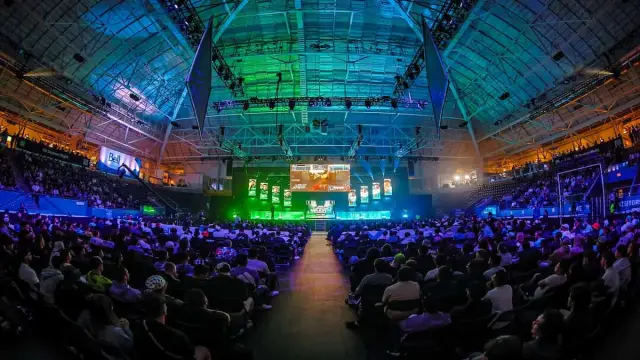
[
  {"x": 470, "y": 281},
  {"x": 44, "y": 175},
  {"x": 142, "y": 290},
  {"x": 531, "y": 194}
]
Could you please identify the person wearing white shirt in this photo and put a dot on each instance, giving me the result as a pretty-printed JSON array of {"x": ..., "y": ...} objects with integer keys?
[
  {"x": 553, "y": 280},
  {"x": 611, "y": 277},
  {"x": 501, "y": 296},
  {"x": 494, "y": 262},
  {"x": 622, "y": 266},
  {"x": 26, "y": 273},
  {"x": 505, "y": 257}
]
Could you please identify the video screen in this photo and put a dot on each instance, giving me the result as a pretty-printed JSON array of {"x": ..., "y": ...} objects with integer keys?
[
  {"x": 364, "y": 194},
  {"x": 352, "y": 198},
  {"x": 252, "y": 187},
  {"x": 287, "y": 198},
  {"x": 375, "y": 191},
  {"x": 320, "y": 177},
  {"x": 388, "y": 189},
  {"x": 264, "y": 191},
  {"x": 275, "y": 194}
]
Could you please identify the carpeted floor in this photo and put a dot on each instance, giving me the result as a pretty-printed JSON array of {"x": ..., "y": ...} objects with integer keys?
[{"x": 307, "y": 320}]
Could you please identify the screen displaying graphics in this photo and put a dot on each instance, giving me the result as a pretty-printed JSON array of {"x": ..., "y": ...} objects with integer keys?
[
  {"x": 253, "y": 184},
  {"x": 110, "y": 160},
  {"x": 275, "y": 194},
  {"x": 287, "y": 198},
  {"x": 320, "y": 209},
  {"x": 388, "y": 190},
  {"x": 352, "y": 198},
  {"x": 320, "y": 177},
  {"x": 364, "y": 194},
  {"x": 375, "y": 191},
  {"x": 264, "y": 191}
]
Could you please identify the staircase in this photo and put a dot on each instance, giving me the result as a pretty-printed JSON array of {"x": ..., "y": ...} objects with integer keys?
[
  {"x": 21, "y": 184},
  {"x": 320, "y": 226}
]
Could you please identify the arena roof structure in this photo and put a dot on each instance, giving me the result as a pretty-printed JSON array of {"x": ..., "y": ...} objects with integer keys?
[{"x": 341, "y": 78}]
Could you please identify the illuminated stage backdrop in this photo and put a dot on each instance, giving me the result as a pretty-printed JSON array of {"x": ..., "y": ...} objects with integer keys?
[
  {"x": 375, "y": 191},
  {"x": 287, "y": 198},
  {"x": 388, "y": 189},
  {"x": 353, "y": 199},
  {"x": 275, "y": 194},
  {"x": 320, "y": 209},
  {"x": 364, "y": 194},
  {"x": 264, "y": 191},
  {"x": 253, "y": 183}
]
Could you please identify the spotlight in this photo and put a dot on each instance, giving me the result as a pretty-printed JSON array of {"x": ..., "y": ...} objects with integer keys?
[
  {"x": 292, "y": 104},
  {"x": 504, "y": 96},
  {"x": 219, "y": 107},
  {"x": 134, "y": 97},
  {"x": 312, "y": 103},
  {"x": 327, "y": 103},
  {"x": 272, "y": 104},
  {"x": 558, "y": 56},
  {"x": 444, "y": 127},
  {"x": 245, "y": 105},
  {"x": 463, "y": 124},
  {"x": 348, "y": 104},
  {"x": 394, "y": 103},
  {"x": 79, "y": 58},
  {"x": 367, "y": 103}
]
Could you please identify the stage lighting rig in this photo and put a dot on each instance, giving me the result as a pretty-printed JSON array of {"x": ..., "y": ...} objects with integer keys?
[
  {"x": 355, "y": 145},
  {"x": 452, "y": 13}
]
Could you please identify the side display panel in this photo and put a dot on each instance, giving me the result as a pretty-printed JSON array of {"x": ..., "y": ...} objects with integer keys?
[
  {"x": 287, "y": 198},
  {"x": 264, "y": 191},
  {"x": 253, "y": 184},
  {"x": 388, "y": 189},
  {"x": 364, "y": 194},
  {"x": 353, "y": 198},
  {"x": 375, "y": 191},
  {"x": 275, "y": 194}
]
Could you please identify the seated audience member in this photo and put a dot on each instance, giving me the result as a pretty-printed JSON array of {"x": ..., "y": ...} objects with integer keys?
[
  {"x": 170, "y": 275},
  {"x": 441, "y": 260},
  {"x": 404, "y": 290},
  {"x": 563, "y": 252},
  {"x": 155, "y": 340},
  {"x": 494, "y": 263},
  {"x": 195, "y": 312},
  {"x": 271, "y": 279},
  {"x": 445, "y": 291},
  {"x": 95, "y": 279},
  {"x": 379, "y": 277},
  {"x": 157, "y": 285},
  {"x": 414, "y": 266},
  {"x": 505, "y": 256},
  {"x": 475, "y": 273},
  {"x": 199, "y": 280},
  {"x": 501, "y": 296},
  {"x": 546, "y": 331},
  {"x": 183, "y": 269},
  {"x": 505, "y": 347},
  {"x": 25, "y": 272},
  {"x": 264, "y": 256},
  {"x": 476, "y": 307},
  {"x": 398, "y": 261},
  {"x": 163, "y": 256},
  {"x": 623, "y": 266},
  {"x": 120, "y": 289},
  {"x": 611, "y": 277},
  {"x": 578, "y": 321},
  {"x": 50, "y": 278},
  {"x": 431, "y": 318},
  {"x": 558, "y": 278},
  {"x": 244, "y": 273},
  {"x": 529, "y": 256},
  {"x": 425, "y": 260},
  {"x": 228, "y": 293},
  {"x": 102, "y": 323},
  {"x": 386, "y": 252}
]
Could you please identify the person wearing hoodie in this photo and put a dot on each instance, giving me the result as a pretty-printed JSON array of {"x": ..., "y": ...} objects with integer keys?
[{"x": 50, "y": 278}]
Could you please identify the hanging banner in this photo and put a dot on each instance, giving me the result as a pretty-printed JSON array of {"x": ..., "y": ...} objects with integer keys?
[
  {"x": 375, "y": 191},
  {"x": 352, "y": 198},
  {"x": 388, "y": 189},
  {"x": 364, "y": 194},
  {"x": 253, "y": 183},
  {"x": 264, "y": 191},
  {"x": 51, "y": 152},
  {"x": 287, "y": 198},
  {"x": 110, "y": 161},
  {"x": 275, "y": 194}
]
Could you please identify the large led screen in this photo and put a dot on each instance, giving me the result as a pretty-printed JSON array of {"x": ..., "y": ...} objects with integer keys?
[
  {"x": 287, "y": 198},
  {"x": 252, "y": 187},
  {"x": 375, "y": 191},
  {"x": 110, "y": 161},
  {"x": 264, "y": 191},
  {"x": 388, "y": 189},
  {"x": 320, "y": 177},
  {"x": 364, "y": 194},
  {"x": 352, "y": 198},
  {"x": 320, "y": 209},
  {"x": 275, "y": 194}
]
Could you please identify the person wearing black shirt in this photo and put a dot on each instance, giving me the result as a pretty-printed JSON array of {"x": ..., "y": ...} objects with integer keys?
[
  {"x": 153, "y": 339},
  {"x": 363, "y": 268},
  {"x": 476, "y": 307},
  {"x": 214, "y": 324},
  {"x": 529, "y": 256},
  {"x": 170, "y": 275},
  {"x": 227, "y": 293},
  {"x": 199, "y": 280}
]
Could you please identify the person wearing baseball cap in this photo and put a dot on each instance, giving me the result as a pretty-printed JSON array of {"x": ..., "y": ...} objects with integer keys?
[{"x": 156, "y": 284}]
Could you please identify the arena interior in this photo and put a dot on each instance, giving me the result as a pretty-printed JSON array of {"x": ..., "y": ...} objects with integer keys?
[{"x": 315, "y": 179}]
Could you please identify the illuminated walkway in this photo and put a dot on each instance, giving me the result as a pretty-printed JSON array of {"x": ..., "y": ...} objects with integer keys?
[{"x": 307, "y": 320}]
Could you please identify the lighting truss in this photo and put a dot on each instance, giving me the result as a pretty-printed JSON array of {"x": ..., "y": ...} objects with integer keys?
[
  {"x": 411, "y": 145},
  {"x": 186, "y": 17},
  {"x": 452, "y": 14},
  {"x": 333, "y": 101},
  {"x": 355, "y": 145},
  {"x": 284, "y": 145}
]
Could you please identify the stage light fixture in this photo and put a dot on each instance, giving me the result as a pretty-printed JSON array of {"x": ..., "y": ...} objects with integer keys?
[
  {"x": 463, "y": 124},
  {"x": 292, "y": 104},
  {"x": 394, "y": 103},
  {"x": 134, "y": 97},
  {"x": 558, "y": 56},
  {"x": 272, "y": 104},
  {"x": 444, "y": 127},
  {"x": 245, "y": 105},
  {"x": 219, "y": 107},
  {"x": 348, "y": 104},
  {"x": 79, "y": 58},
  {"x": 367, "y": 103},
  {"x": 504, "y": 96},
  {"x": 327, "y": 102}
]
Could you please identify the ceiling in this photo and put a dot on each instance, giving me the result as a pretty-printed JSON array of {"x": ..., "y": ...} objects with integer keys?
[{"x": 86, "y": 53}]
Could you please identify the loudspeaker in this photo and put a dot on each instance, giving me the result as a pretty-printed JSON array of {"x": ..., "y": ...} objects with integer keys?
[
  {"x": 230, "y": 167},
  {"x": 412, "y": 170}
]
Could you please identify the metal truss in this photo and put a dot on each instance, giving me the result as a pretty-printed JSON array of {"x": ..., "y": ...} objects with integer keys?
[
  {"x": 321, "y": 102},
  {"x": 185, "y": 15}
]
